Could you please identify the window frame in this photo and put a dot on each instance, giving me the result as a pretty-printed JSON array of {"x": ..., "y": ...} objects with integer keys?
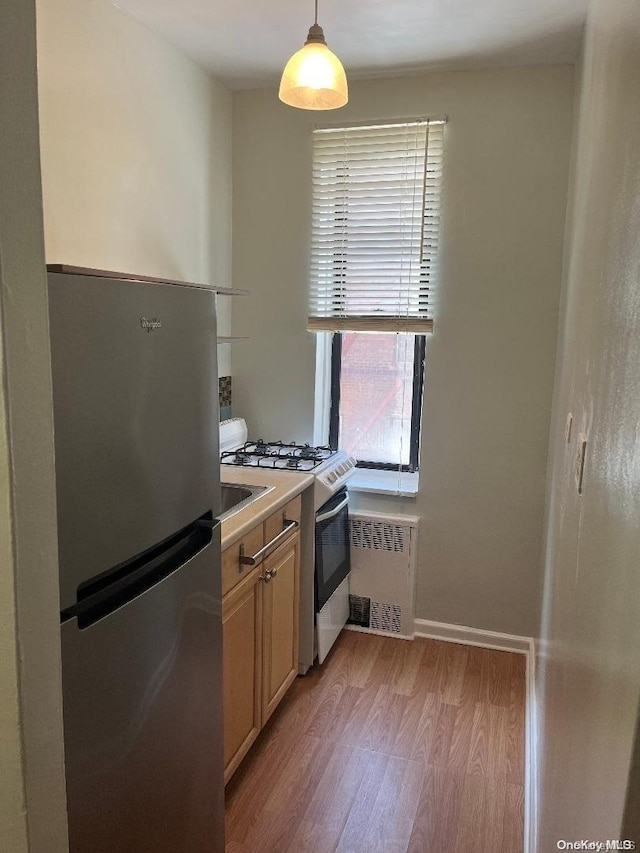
[{"x": 419, "y": 358}]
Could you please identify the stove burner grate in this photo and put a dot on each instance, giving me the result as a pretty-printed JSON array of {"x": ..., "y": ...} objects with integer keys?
[{"x": 277, "y": 454}]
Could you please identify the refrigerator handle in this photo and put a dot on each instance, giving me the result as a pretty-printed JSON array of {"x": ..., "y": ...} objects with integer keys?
[{"x": 111, "y": 590}]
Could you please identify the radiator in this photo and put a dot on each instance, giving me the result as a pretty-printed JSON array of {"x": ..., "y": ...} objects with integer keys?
[{"x": 383, "y": 561}]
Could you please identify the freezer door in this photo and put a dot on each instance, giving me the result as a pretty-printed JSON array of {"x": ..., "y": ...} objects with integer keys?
[
  {"x": 143, "y": 718},
  {"x": 136, "y": 417}
]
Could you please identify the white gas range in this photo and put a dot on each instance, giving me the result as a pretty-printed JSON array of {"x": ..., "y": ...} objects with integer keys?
[
  {"x": 325, "y": 562},
  {"x": 331, "y": 468}
]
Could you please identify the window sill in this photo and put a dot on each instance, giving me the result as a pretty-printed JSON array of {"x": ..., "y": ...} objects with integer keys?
[{"x": 398, "y": 483}]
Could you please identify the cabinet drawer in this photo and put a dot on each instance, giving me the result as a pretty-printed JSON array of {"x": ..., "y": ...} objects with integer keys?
[
  {"x": 275, "y": 523},
  {"x": 232, "y": 570}
]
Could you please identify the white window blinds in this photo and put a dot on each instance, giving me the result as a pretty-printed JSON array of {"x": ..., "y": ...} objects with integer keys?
[{"x": 376, "y": 214}]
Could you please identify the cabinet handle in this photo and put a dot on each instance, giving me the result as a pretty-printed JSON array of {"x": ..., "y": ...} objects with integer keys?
[
  {"x": 267, "y": 578},
  {"x": 269, "y": 547}
]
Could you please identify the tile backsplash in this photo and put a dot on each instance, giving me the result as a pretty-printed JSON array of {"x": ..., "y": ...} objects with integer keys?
[{"x": 224, "y": 393}]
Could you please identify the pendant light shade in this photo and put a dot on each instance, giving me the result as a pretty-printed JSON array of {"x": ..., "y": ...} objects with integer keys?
[{"x": 314, "y": 79}]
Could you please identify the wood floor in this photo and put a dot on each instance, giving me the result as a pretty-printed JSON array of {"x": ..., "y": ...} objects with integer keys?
[{"x": 391, "y": 746}]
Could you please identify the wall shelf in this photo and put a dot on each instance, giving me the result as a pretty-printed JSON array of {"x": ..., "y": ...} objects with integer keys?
[{"x": 72, "y": 270}]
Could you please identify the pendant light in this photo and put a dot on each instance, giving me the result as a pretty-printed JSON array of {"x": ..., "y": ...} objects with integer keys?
[{"x": 314, "y": 79}]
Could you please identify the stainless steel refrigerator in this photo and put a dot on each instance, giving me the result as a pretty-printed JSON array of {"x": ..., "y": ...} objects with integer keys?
[{"x": 136, "y": 439}]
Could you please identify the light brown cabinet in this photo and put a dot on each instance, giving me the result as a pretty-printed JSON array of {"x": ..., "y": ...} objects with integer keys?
[
  {"x": 280, "y": 625},
  {"x": 259, "y": 628},
  {"x": 241, "y": 669}
]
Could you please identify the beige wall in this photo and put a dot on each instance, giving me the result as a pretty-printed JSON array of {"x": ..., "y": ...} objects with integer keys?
[
  {"x": 136, "y": 150},
  {"x": 490, "y": 362},
  {"x": 32, "y": 795},
  {"x": 589, "y": 665}
]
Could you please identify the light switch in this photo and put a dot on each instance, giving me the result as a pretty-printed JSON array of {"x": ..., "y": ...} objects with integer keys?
[
  {"x": 578, "y": 469},
  {"x": 567, "y": 428}
]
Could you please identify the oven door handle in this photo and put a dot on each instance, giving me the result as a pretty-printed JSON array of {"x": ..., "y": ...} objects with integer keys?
[{"x": 332, "y": 512}]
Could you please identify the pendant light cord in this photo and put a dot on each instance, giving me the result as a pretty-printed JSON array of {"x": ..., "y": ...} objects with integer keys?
[{"x": 316, "y": 20}]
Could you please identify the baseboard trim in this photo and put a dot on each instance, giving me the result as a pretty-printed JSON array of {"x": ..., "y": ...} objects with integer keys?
[{"x": 472, "y": 636}]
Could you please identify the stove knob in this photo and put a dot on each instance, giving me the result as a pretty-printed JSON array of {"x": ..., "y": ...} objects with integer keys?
[{"x": 332, "y": 477}]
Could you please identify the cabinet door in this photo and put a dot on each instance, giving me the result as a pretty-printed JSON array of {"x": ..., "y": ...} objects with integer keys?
[
  {"x": 280, "y": 617},
  {"x": 241, "y": 669}
]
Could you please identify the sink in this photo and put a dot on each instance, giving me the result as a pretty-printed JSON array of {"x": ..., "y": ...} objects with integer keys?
[
  {"x": 235, "y": 497},
  {"x": 231, "y": 496}
]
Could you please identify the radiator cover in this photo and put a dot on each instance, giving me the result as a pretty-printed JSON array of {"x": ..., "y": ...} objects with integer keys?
[{"x": 383, "y": 561}]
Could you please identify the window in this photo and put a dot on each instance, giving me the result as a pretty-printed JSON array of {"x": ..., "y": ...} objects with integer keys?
[
  {"x": 376, "y": 207},
  {"x": 376, "y": 398}
]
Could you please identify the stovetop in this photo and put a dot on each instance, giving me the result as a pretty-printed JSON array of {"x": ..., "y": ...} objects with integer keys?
[
  {"x": 330, "y": 468},
  {"x": 277, "y": 454}
]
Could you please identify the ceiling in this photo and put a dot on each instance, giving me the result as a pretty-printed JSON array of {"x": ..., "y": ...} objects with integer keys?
[{"x": 245, "y": 43}]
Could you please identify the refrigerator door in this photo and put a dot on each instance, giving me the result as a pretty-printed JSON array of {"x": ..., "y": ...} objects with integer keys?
[
  {"x": 136, "y": 417},
  {"x": 142, "y": 691}
]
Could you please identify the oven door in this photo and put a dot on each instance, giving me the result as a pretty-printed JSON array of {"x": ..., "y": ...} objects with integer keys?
[{"x": 333, "y": 562}]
